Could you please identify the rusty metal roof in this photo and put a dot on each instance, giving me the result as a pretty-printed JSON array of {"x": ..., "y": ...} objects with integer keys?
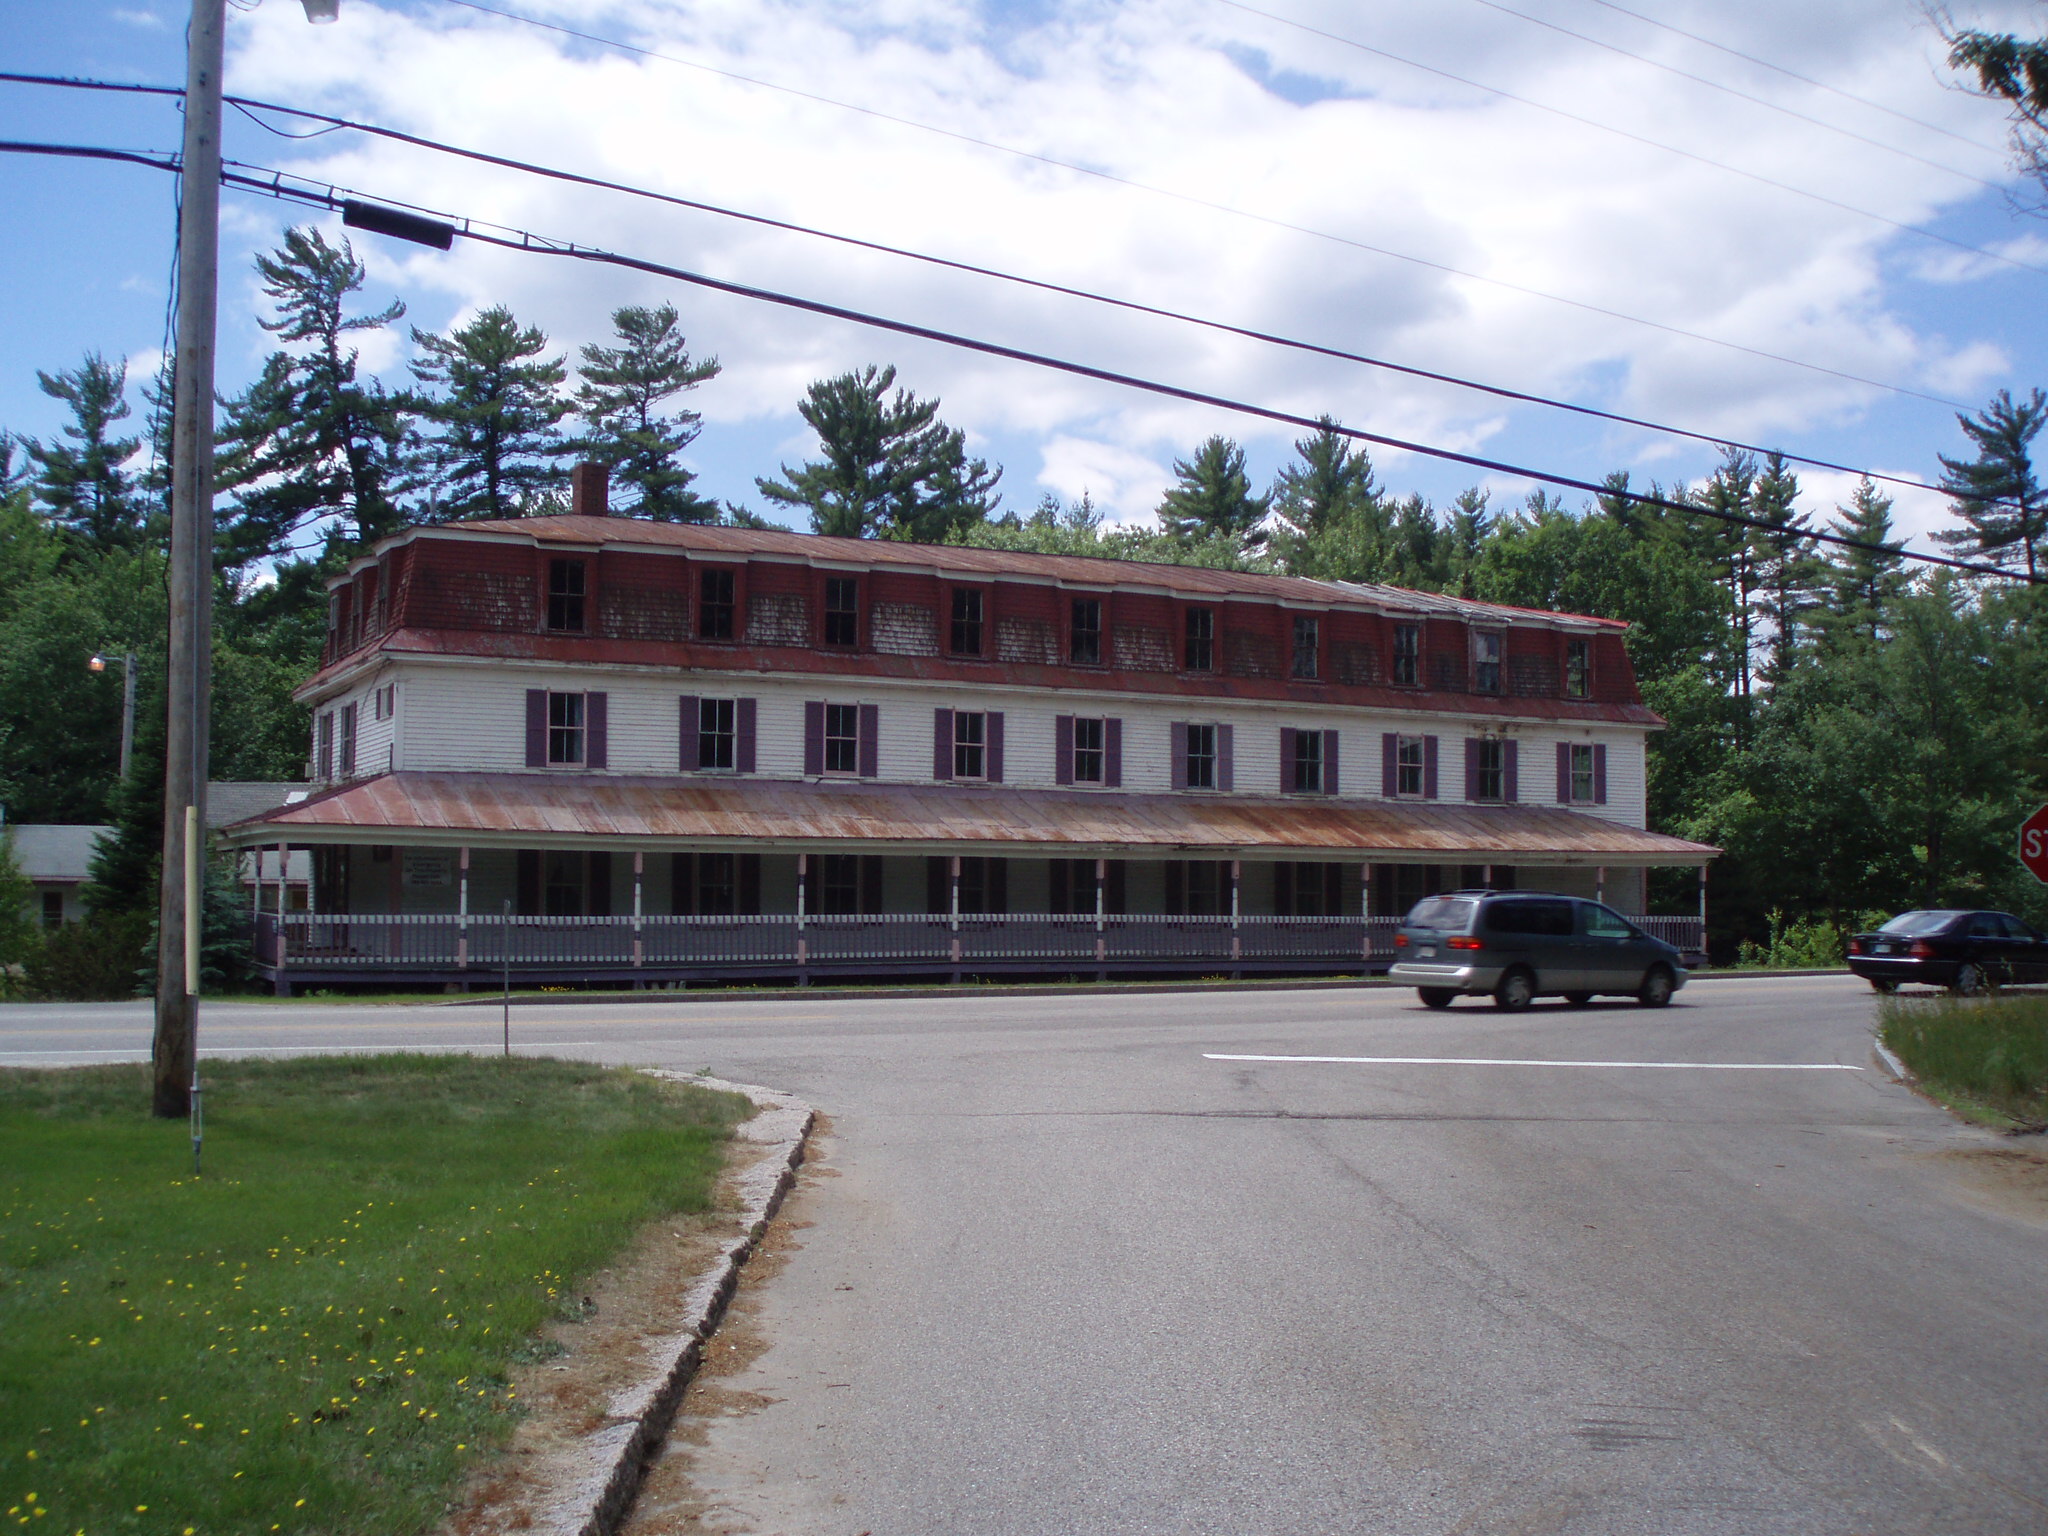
[
  {"x": 1078, "y": 570},
  {"x": 533, "y": 809}
]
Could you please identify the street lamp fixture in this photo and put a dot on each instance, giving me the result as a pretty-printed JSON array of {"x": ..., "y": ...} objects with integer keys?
[
  {"x": 99, "y": 664},
  {"x": 321, "y": 12}
]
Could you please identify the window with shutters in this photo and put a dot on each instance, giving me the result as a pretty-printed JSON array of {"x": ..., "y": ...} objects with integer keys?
[
  {"x": 970, "y": 744},
  {"x": 717, "y": 603},
  {"x": 1490, "y": 770},
  {"x": 842, "y": 610},
  {"x": 1411, "y": 756},
  {"x": 1486, "y": 649},
  {"x": 965, "y": 638},
  {"x": 323, "y": 747},
  {"x": 348, "y": 741},
  {"x": 842, "y": 738},
  {"x": 568, "y": 734},
  {"x": 1308, "y": 763},
  {"x": 1407, "y": 655},
  {"x": 1201, "y": 757},
  {"x": 1088, "y": 757},
  {"x": 565, "y": 596},
  {"x": 839, "y": 883},
  {"x": 565, "y": 884},
  {"x": 1578, "y": 669},
  {"x": 1203, "y": 888},
  {"x": 1198, "y": 651},
  {"x": 1084, "y": 633},
  {"x": 718, "y": 886},
  {"x": 1308, "y": 637},
  {"x": 717, "y": 734},
  {"x": 982, "y": 885},
  {"x": 1584, "y": 779}
]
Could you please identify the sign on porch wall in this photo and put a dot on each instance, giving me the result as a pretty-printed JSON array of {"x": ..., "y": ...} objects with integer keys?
[{"x": 429, "y": 866}]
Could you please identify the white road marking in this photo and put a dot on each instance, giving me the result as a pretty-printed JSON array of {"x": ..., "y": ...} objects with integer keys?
[{"x": 1483, "y": 1061}]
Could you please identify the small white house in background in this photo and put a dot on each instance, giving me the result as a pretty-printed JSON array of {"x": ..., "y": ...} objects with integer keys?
[
  {"x": 57, "y": 860},
  {"x": 267, "y": 880}
]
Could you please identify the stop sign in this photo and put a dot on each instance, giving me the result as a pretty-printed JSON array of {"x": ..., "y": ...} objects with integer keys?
[{"x": 2034, "y": 844}]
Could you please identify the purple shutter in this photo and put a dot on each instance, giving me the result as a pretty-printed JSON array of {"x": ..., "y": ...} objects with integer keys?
[
  {"x": 1330, "y": 779},
  {"x": 1471, "y": 768},
  {"x": 1283, "y": 889},
  {"x": 1226, "y": 757},
  {"x": 687, "y": 718},
  {"x": 870, "y": 883},
  {"x": 682, "y": 885},
  {"x": 1063, "y": 749},
  {"x": 1600, "y": 774},
  {"x": 1112, "y": 753},
  {"x": 536, "y": 728},
  {"x": 749, "y": 893},
  {"x": 1113, "y": 893},
  {"x": 814, "y": 737},
  {"x": 1511, "y": 771},
  {"x": 942, "y": 744},
  {"x": 1287, "y": 784},
  {"x": 597, "y": 896},
  {"x": 1564, "y": 773},
  {"x": 1179, "y": 734},
  {"x": 526, "y": 881},
  {"x": 743, "y": 736},
  {"x": 1429, "y": 767},
  {"x": 870, "y": 740},
  {"x": 596, "y": 742},
  {"x": 1177, "y": 887},
  {"x": 992, "y": 757},
  {"x": 1390, "y": 765},
  {"x": 997, "y": 885}
]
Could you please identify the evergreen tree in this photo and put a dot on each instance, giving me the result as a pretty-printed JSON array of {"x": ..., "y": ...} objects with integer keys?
[
  {"x": 493, "y": 439},
  {"x": 1466, "y": 532},
  {"x": 1788, "y": 575},
  {"x": 1212, "y": 496},
  {"x": 1732, "y": 493},
  {"x": 81, "y": 484},
  {"x": 310, "y": 439},
  {"x": 1332, "y": 480},
  {"x": 2003, "y": 506},
  {"x": 891, "y": 468},
  {"x": 1863, "y": 583},
  {"x": 621, "y": 397}
]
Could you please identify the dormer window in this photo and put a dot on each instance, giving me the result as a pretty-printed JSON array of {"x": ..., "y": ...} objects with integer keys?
[
  {"x": 1486, "y": 651},
  {"x": 716, "y": 604},
  {"x": 565, "y": 596},
  {"x": 1407, "y": 655},
  {"x": 1578, "y": 669},
  {"x": 1084, "y": 635},
  {"x": 967, "y": 615},
  {"x": 842, "y": 610},
  {"x": 1308, "y": 634},
  {"x": 1199, "y": 652}
]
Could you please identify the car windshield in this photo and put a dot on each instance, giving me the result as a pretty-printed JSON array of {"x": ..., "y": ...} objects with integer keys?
[
  {"x": 1920, "y": 922},
  {"x": 1442, "y": 912}
]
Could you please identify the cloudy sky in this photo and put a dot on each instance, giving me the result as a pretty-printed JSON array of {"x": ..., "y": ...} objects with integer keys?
[{"x": 1775, "y": 223}]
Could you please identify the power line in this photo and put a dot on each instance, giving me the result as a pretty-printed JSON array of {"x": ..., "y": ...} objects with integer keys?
[
  {"x": 1291, "y": 343},
  {"x": 1793, "y": 74},
  {"x": 505, "y": 237},
  {"x": 1612, "y": 314}
]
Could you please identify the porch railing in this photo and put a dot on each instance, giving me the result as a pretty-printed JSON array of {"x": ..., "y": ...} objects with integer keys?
[{"x": 782, "y": 941}]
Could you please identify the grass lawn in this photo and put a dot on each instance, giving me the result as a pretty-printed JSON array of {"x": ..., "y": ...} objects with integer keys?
[
  {"x": 1987, "y": 1058},
  {"x": 315, "y": 1336}
]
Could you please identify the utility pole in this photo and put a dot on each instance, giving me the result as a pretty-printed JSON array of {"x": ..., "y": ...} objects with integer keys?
[{"x": 189, "y": 690}]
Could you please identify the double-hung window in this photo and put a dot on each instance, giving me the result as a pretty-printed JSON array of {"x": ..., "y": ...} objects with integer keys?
[
  {"x": 842, "y": 610},
  {"x": 717, "y": 603},
  {"x": 1084, "y": 632},
  {"x": 842, "y": 738},
  {"x": 839, "y": 883},
  {"x": 1308, "y": 763},
  {"x": 348, "y": 741},
  {"x": 323, "y": 747},
  {"x": 565, "y": 596},
  {"x": 1578, "y": 669},
  {"x": 1486, "y": 647},
  {"x": 1088, "y": 755},
  {"x": 970, "y": 744},
  {"x": 1584, "y": 778},
  {"x": 1411, "y": 755},
  {"x": 1199, "y": 630},
  {"x": 1307, "y": 637},
  {"x": 1490, "y": 770},
  {"x": 967, "y": 614},
  {"x": 1407, "y": 655},
  {"x": 567, "y": 730},
  {"x": 717, "y": 734},
  {"x": 1201, "y": 757}
]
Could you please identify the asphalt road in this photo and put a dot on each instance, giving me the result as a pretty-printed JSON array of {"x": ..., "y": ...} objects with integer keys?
[{"x": 1066, "y": 1273}]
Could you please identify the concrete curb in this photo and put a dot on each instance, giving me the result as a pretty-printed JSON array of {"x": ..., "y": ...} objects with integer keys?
[
  {"x": 637, "y": 1419},
  {"x": 1891, "y": 1063}
]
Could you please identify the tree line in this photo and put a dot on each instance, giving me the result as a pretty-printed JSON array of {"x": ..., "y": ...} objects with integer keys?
[{"x": 1858, "y": 735}]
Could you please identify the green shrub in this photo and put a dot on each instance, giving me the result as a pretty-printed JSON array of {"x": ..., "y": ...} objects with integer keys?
[{"x": 98, "y": 960}]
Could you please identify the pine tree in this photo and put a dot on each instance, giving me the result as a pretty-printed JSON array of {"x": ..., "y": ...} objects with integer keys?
[
  {"x": 891, "y": 468},
  {"x": 2003, "y": 506},
  {"x": 1864, "y": 582},
  {"x": 621, "y": 399},
  {"x": 1332, "y": 480},
  {"x": 1212, "y": 497},
  {"x": 1788, "y": 575},
  {"x": 493, "y": 441},
  {"x": 1467, "y": 530},
  {"x": 81, "y": 485},
  {"x": 309, "y": 439},
  {"x": 1732, "y": 493}
]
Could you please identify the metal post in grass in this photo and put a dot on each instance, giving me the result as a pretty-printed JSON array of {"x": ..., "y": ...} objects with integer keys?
[{"x": 505, "y": 956}]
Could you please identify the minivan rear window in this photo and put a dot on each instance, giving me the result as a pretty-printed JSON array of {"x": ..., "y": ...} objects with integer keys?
[
  {"x": 1550, "y": 919},
  {"x": 1920, "y": 922},
  {"x": 1443, "y": 913}
]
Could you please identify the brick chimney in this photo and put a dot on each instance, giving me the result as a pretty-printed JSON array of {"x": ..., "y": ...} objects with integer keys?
[{"x": 589, "y": 490}]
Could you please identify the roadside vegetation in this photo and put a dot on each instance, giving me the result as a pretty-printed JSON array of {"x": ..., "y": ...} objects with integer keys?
[
  {"x": 317, "y": 1334},
  {"x": 1986, "y": 1058}
]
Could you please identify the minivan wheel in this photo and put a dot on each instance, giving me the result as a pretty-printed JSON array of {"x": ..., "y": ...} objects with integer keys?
[
  {"x": 1435, "y": 997},
  {"x": 1969, "y": 980},
  {"x": 1658, "y": 985},
  {"x": 1516, "y": 991}
]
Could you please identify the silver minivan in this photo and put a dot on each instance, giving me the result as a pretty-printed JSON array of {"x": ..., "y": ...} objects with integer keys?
[{"x": 1522, "y": 945}]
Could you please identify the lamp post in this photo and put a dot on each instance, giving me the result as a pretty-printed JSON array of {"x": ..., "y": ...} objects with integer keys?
[
  {"x": 99, "y": 664},
  {"x": 188, "y": 693}
]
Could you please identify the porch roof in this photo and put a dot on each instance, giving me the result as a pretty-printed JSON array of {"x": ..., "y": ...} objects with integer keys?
[{"x": 528, "y": 810}]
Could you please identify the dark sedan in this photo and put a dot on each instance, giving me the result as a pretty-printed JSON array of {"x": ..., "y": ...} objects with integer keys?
[{"x": 1963, "y": 951}]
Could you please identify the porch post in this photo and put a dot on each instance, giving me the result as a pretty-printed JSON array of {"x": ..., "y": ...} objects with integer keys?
[
  {"x": 1101, "y": 875},
  {"x": 639, "y": 870},
  {"x": 1236, "y": 878},
  {"x": 462, "y": 909},
  {"x": 954, "y": 869},
  {"x": 803, "y": 956},
  {"x": 1600, "y": 883},
  {"x": 1486, "y": 876},
  {"x": 395, "y": 900},
  {"x": 1365, "y": 909},
  {"x": 1703, "y": 909}
]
